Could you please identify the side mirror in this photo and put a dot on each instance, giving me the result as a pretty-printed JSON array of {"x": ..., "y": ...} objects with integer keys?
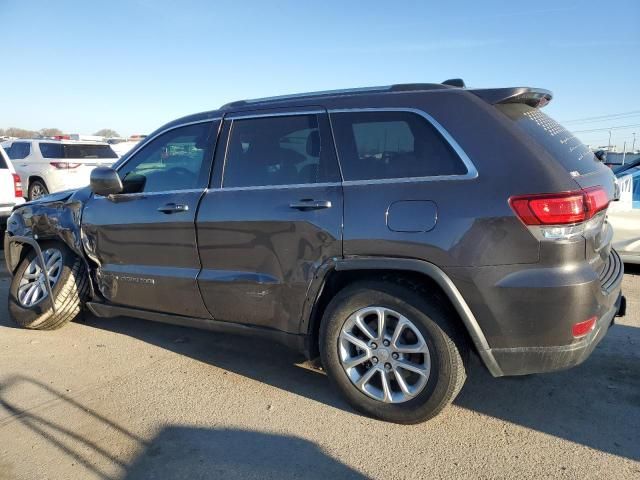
[
  {"x": 105, "y": 181},
  {"x": 601, "y": 155}
]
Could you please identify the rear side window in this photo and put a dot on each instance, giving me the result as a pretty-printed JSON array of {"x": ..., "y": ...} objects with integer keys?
[
  {"x": 561, "y": 144},
  {"x": 19, "y": 150},
  {"x": 279, "y": 150},
  {"x": 385, "y": 145},
  {"x": 76, "y": 151},
  {"x": 3, "y": 164}
]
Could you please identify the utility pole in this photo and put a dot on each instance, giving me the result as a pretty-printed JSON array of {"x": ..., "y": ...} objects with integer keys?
[
  {"x": 633, "y": 145},
  {"x": 624, "y": 151},
  {"x": 609, "y": 145}
]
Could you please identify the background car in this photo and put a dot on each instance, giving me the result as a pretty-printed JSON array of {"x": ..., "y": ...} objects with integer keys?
[
  {"x": 624, "y": 216},
  {"x": 47, "y": 166},
  {"x": 620, "y": 169},
  {"x": 10, "y": 189}
]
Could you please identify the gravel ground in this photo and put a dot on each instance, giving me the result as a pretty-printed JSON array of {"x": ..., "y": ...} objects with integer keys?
[{"x": 125, "y": 398}]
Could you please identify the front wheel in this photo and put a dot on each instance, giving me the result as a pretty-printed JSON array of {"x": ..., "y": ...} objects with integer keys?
[
  {"x": 394, "y": 353},
  {"x": 29, "y": 302}
]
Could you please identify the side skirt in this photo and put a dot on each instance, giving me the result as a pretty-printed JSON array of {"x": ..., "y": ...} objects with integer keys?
[{"x": 290, "y": 340}]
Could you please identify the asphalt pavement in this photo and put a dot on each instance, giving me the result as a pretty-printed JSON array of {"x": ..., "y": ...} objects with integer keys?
[{"x": 131, "y": 399}]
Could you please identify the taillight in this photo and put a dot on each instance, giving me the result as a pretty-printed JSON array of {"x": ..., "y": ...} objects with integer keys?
[
  {"x": 64, "y": 165},
  {"x": 560, "y": 215},
  {"x": 580, "y": 329},
  {"x": 17, "y": 186}
]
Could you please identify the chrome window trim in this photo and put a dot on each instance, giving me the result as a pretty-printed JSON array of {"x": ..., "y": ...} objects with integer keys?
[
  {"x": 149, "y": 194},
  {"x": 276, "y": 187},
  {"x": 149, "y": 139},
  {"x": 472, "y": 172}
]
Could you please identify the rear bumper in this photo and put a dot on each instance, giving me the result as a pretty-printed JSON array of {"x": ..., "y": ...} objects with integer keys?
[
  {"x": 526, "y": 360},
  {"x": 526, "y": 312}
]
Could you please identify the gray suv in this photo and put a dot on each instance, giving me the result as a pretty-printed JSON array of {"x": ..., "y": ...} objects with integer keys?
[{"x": 391, "y": 231}]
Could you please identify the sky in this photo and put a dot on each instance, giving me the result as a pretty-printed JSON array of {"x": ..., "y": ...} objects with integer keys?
[{"x": 134, "y": 65}]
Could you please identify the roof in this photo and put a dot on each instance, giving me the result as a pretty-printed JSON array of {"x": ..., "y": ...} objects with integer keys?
[{"x": 534, "y": 97}]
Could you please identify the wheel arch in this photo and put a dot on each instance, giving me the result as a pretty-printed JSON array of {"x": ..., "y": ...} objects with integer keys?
[{"x": 341, "y": 272}]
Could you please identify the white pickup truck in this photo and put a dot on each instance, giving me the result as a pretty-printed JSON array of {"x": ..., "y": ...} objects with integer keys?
[{"x": 10, "y": 188}]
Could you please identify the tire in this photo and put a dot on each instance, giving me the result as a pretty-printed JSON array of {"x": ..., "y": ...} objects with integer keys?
[
  {"x": 447, "y": 351},
  {"x": 37, "y": 188},
  {"x": 69, "y": 291}
]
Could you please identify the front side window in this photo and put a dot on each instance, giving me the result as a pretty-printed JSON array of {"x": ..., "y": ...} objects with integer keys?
[
  {"x": 19, "y": 150},
  {"x": 283, "y": 150},
  {"x": 176, "y": 160},
  {"x": 386, "y": 145}
]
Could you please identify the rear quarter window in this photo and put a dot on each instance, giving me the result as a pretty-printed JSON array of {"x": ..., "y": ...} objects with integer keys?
[
  {"x": 378, "y": 145},
  {"x": 559, "y": 142},
  {"x": 3, "y": 163}
]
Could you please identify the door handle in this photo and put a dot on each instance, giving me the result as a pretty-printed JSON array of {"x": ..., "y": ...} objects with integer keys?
[
  {"x": 173, "y": 208},
  {"x": 308, "y": 204}
]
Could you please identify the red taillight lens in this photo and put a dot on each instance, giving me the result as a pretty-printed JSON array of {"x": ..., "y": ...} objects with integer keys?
[
  {"x": 561, "y": 208},
  {"x": 64, "y": 165},
  {"x": 17, "y": 185},
  {"x": 580, "y": 329},
  {"x": 597, "y": 200}
]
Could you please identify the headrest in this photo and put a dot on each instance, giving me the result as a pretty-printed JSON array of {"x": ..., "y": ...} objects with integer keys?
[{"x": 313, "y": 144}]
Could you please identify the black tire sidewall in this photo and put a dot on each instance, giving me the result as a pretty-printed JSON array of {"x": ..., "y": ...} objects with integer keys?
[
  {"x": 429, "y": 320},
  {"x": 37, "y": 182},
  {"x": 32, "y": 316}
]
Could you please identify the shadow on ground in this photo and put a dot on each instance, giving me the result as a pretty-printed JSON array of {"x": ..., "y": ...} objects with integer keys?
[
  {"x": 176, "y": 451},
  {"x": 596, "y": 404}
]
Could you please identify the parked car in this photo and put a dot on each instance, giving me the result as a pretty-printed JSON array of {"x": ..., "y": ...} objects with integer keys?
[
  {"x": 10, "y": 189},
  {"x": 624, "y": 216},
  {"x": 389, "y": 230},
  {"x": 47, "y": 166},
  {"x": 620, "y": 169}
]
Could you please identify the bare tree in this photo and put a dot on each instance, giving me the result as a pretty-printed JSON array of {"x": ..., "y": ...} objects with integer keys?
[
  {"x": 107, "y": 133},
  {"x": 20, "y": 133},
  {"x": 50, "y": 132}
]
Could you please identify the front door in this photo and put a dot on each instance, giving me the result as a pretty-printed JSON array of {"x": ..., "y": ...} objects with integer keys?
[
  {"x": 144, "y": 238},
  {"x": 271, "y": 219}
]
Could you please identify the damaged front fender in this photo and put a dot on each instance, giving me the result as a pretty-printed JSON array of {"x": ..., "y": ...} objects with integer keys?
[{"x": 53, "y": 217}]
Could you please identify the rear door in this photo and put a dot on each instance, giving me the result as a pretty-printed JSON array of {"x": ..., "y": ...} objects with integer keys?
[
  {"x": 144, "y": 239},
  {"x": 271, "y": 219}
]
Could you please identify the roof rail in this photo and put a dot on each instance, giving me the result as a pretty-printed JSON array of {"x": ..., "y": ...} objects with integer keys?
[{"x": 405, "y": 87}]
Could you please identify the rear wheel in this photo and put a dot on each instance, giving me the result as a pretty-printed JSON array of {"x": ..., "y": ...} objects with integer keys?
[
  {"x": 29, "y": 302},
  {"x": 393, "y": 353},
  {"x": 37, "y": 189}
]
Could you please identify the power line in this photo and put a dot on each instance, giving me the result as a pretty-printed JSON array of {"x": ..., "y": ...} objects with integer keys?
[
  {"x": 632, "y": 113},
  {"x": 620, "y": 127}
]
